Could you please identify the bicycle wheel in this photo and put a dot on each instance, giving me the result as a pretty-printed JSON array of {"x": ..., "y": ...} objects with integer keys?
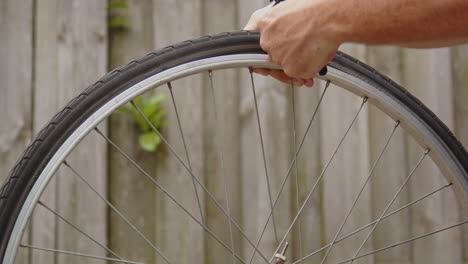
[{"x": 41, "y": 160}]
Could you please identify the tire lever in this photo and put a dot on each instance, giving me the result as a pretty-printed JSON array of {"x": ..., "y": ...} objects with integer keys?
[{"x": 276, "y": 1}]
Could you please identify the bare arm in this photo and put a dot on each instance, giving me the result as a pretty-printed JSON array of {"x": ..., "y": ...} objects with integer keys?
[
  {"x": 303, "y": 35},
  {"x": 409, "y": 23}
]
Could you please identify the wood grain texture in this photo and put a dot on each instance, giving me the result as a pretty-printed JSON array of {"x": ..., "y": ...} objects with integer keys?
[
  {"x": 460, "y": 94},
  {"x": 274, "y": 111},
  {"x": 222, "y": 138},
  {"x": 53, "y": 49},
  {"x": 392, "y": 167},
  {"x": 176, "y": 227},
  {"x": 273, "y": 107},
  {"x": 128, "y": 187},
  {"x": 82, "y": 59},
  {"x": 346, "y": 174},
  {"x": 308, "y": 230},
  {"x": 16, "y": 75},
  {"x": 43, "y": 225},
  {"x": 16, "y": 81},
  {"x": 427, "y": 75}
]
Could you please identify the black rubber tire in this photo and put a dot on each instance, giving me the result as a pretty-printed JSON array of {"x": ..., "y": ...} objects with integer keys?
[{"x": 29, "y": 166}]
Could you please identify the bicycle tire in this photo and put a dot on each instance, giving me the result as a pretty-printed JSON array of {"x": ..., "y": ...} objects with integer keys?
[{"x": 39, "y": 153}]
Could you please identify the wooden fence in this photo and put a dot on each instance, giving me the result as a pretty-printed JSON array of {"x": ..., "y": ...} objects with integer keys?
[{"x": 51, "y": 50}]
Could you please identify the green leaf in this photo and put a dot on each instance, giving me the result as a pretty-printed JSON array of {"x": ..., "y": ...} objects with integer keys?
[
  {"x": 137, "y": 100},
  {"x": 142, "y": 124},
  {"x": 152, "y": 104},
  {"x": 118, "y": 23},
  {"x": 126, "y": 109},
  {"x": 149, "y": 109},
  {"x": 149, "y": 141},
  {"x": 118, "y": 5},
  {"x": 157, "y": 99},
  {"x": 152, "y": 109},
  {"x": 158, "y": 118}
]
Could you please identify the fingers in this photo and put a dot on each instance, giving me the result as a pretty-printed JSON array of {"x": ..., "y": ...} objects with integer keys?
[
  {"x": 264, "y": 72},
  {"x": 282, "y": 77}
]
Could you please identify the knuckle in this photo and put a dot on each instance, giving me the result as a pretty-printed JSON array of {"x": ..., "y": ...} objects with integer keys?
[
  {"x": 289, "y": 72},
  {"x": 262, "y": 22},
  {"x": 305, "y": 74},
  {"x": 265, "y": 44}
]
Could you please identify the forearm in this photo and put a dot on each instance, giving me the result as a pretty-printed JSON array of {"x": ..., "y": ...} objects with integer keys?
[
  {"x": 303, "y": 35},
  {"x": 410, "y": 23}
]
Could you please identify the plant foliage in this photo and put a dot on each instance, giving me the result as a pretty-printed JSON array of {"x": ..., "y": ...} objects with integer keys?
[{"x": 152, "y": 108}]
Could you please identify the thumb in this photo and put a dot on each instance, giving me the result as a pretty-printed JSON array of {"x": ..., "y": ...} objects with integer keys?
[
  {"x": 255, "y": 18},
  {"x": 252, "y": 24}
]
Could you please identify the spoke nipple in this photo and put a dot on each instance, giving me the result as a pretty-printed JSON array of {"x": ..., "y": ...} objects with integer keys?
[
  {"x": 427, "y": 151},
  {"x": 169, "y": 85},
  {"x": 210, "y": 72},
  {"x": 398, "y": 122},
  {"x": 279, "y": 257},
  {"x": 365, "y": 99}
]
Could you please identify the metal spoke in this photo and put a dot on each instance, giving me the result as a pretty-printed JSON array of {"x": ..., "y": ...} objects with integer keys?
[
  {"x": 78, "y": 254},
  {"x": 170, "y": 196},
  {"x": 288, "y": 172},
  {"x": 293, "y": 101},
  {"x": 221, "y": 158},
  {"x": 117, "y": 212},
  {"x": 390, "y": 204},
  {"x": 404, "y": 242},
  {"x": 371, "y": 223},
  {"x": 321, "y": 176},
  {"x": 78, "y": 229},
  {"x": 193, "y": 176},
  {"x": 371, "y": 172},
  {"x": 197, "y": 197},
  {"x": 263, "y": 153}
]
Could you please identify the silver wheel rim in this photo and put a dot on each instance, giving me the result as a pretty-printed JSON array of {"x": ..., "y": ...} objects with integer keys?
[{"x": 440, "y": 153}]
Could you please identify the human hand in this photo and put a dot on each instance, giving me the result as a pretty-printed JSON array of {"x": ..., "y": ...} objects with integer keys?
[{"x": 297, "y": 35}]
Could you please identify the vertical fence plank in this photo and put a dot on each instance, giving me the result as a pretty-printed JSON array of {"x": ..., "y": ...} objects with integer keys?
[
  {"x": 274, "y": 111},
  {"x": 428, "y": 75},
  {"x": 70, "y": 53},
  {"x": 175, "y": 21},
  {"x": 273, "y": 106},
  {"x": 391, "y": 169},
  {"x": 249, "y": 177},
  {"x": 15, "y": 85},
  {"x": 345, "y": 173},
  {"x": 82, "y": 59},
  {"x": 309, "y": 167},
  {"x": 16, "y": 79},
  {"x": 227, "y": 99},
  {"x": 460, "y": 95},
  {"x": 44, "y": 223},
  {"x": 127, "y": 186}
]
